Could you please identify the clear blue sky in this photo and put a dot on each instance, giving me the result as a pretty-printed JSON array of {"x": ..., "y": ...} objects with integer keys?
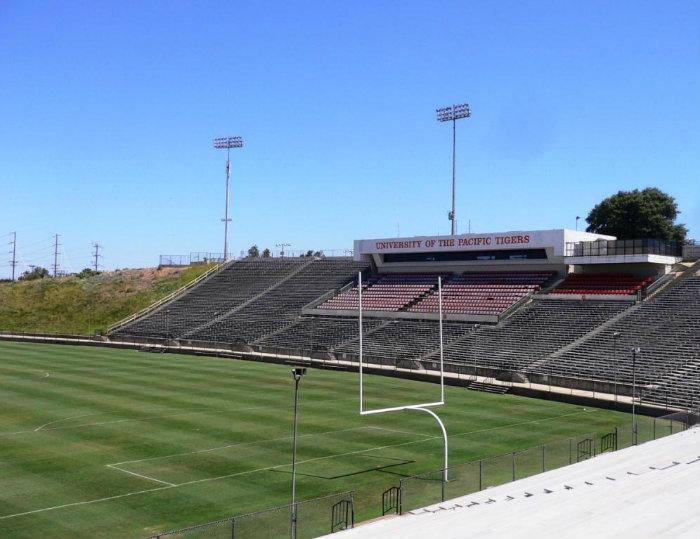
[{"x": 108, "y": 109}]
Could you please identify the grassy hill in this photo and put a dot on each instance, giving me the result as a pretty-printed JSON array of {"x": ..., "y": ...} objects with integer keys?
[{"x": 75, "y": 305}]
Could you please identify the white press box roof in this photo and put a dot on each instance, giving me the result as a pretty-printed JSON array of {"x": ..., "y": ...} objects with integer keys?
[{"x": 515, "y": 239}]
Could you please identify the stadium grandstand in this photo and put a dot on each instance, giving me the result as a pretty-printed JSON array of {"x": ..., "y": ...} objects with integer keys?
[{"x": 554, "y": 307}]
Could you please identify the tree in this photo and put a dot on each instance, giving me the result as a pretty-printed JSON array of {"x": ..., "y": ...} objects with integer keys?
[
  {"x": 628, "y": 215},
  {"x": 318, "y": 254},
  {"x": 253, "y": 252},
  {"x": 35, "y": 273},
  {"x": 87, "y": 272},
  {"x": 309, "y": 253},
  {"x": 266, "y": 253}
]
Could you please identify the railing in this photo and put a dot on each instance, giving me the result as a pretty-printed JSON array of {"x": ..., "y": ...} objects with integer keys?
[
  {"x": 316, "y": 517},
  {"x": 624, "y": 247},
  {"x": 192, "y": 258},
  {"x": 166, "y": 299}
]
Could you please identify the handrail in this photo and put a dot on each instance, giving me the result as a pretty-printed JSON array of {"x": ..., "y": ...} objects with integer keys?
[
  {"x": 514, "y": 307},
  {"x": 165, "y": 299}
]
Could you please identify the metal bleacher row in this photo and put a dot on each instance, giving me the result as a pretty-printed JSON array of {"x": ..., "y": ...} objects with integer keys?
[
  {"x": 667, "y": 330},
  {"x": 589, "y": 284},
  {"x": 469, "y": 293},
  {"x": 259, "y": 302}
]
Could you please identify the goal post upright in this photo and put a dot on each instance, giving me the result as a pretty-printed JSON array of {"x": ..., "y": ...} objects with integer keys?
[{"x": 424, "y": 407}]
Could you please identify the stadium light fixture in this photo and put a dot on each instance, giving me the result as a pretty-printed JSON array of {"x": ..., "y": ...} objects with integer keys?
[
  {"x": 452, "y": 114},
  {"x": 227, "y": 143},
  {"x": 297, "y": 373}
]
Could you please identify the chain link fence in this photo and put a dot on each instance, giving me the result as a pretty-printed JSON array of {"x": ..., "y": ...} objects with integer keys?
[{"x": 316, "y": 517}]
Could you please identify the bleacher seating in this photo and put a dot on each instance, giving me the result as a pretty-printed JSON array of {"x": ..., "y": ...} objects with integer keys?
[
  {"x": 237, "y": 286},
  {"x": 665, "y": 327},
  {"x": 385, "y": 292},
  {"x": 532, "y": 333},
  {"x": 316, "y": 333},
  {"x": 404, "y": 339},
  {"x": 280, "y": 306},
  {"x": 259, "y": 302},
  {"x": 236, "y": 283},
  {"x": 595, "y": 284},
  {"x": 488, "y": 293}
]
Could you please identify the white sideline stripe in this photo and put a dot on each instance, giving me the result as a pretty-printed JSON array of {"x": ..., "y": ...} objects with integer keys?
[
  {"x": 86, "y": 502},
  {"x": 140, "y": 475}
]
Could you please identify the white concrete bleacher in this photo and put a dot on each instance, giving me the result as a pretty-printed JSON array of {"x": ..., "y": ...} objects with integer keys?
[{"x": 649, "y": 490}]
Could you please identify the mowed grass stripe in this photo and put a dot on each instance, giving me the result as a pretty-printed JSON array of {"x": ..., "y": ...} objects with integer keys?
[{"x": 158, "y": 405}]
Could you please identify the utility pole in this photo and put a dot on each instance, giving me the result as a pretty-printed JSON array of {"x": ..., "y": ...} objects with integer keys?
[
  {"x": 96, "y": 254},
  {"x": 13, "y": 263},
  {"x": 282, "y": 246},
  {"x": 452, "y": 114},
  {"x": 226, "y": 143},
  {"x": 55, "y": 255}
]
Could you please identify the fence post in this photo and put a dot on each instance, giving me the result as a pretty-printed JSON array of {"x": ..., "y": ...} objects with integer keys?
[
  {"x": 481, "y": 474},
  {"x": 513, "y": 464},
  {"x": 654, "y": 428},
  {"x": 442, "y": 486},
  {"x": 543, "y": 446},
  {"x": 233, "y": 528},
  {"x": 570, "y": 442}
]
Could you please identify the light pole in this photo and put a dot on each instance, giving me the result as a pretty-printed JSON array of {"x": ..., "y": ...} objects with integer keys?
[
  {"x": 297, "y": 374},
  {"x": 577, "y": 219},
  {"x": 616, "y": 335},
  {"x": 226, "y": 143},
  {"x": 452, "y": 114},
  {"x": 634, "y": 351}
]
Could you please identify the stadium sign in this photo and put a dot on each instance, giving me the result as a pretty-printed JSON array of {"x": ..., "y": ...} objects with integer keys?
[{"x": 554, "y": 239}]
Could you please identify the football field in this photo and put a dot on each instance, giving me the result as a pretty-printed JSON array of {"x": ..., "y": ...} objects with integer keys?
[{"x": 98, "y": 442}]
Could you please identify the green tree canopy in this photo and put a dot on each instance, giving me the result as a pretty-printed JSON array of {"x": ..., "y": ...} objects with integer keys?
[
  {"x": 35, "y": 273},
  {"x": 253, "y": 252},
  {"x": 649, "y": 213},
  {"x": 266, "y": 253}
]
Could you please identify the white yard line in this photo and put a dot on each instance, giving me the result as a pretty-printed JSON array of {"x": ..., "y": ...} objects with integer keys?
[
  {"x": 166, "y": 487},
  {"x": 402, "y": 431},
  {"x": 239, "y": 444},
  {"x": 140, "y": 475},
  {"x": 42, "y": 427},
  {"x": 64, "y": 419}
]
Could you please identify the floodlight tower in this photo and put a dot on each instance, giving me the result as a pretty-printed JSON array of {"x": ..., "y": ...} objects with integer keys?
[
  {"x": 452, "y": 114},
  {"x": 226, "y": 143}
]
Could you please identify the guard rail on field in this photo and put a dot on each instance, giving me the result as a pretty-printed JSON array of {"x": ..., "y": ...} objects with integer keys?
[{"x": 316, "y": 517}]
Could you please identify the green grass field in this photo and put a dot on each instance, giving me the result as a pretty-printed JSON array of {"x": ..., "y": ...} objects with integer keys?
[{"x": 116, "y": 443}]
